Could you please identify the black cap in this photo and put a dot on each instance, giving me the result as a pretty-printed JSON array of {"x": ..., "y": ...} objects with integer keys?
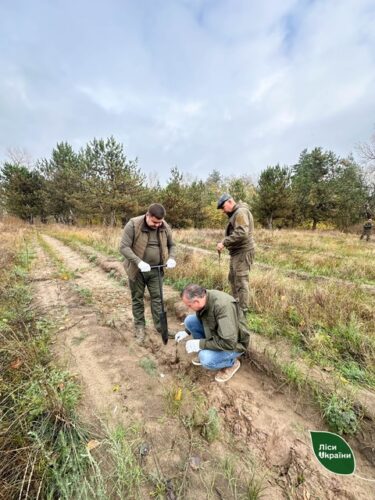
[{"x": 223, "y": 198}]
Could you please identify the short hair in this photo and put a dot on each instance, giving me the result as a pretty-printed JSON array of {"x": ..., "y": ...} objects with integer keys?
[
  {"x": 192, "y": 291},
  {"x": 157, "y": 210}
]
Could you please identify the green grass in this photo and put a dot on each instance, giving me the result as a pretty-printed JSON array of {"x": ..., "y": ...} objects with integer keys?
[{"x": 149, "y": 366}]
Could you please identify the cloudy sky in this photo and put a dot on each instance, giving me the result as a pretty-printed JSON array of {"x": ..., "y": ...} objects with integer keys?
[{"x": 233, "y": 85}]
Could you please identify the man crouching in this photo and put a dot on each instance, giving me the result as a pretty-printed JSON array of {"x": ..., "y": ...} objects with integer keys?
[{"x": 218, "y": 328}]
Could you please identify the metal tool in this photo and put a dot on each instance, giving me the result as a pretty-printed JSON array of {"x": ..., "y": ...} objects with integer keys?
[{"x": 163, "y": 314}]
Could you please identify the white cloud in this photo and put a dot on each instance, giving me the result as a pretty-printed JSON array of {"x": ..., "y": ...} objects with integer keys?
[{"x": 234, "y": 85}]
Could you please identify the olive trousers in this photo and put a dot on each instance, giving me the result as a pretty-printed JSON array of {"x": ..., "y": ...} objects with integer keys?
[
  {"x": 137, "y": 289},
  {"x": 238, "y": 277}
]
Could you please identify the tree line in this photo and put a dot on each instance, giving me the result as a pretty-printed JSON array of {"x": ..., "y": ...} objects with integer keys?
[{"x": 100, "y": 185}]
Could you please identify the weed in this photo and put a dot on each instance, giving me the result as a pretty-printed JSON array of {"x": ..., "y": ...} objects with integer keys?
[
  {"x": 293, "y": 374},
  {"x": 211, "y": 426},
  {"x": 149, "y": 366},
  {"x": 84, "y": 293},
  {"x": 340, "y": 414},
  {"x": 79, "y": 339}
]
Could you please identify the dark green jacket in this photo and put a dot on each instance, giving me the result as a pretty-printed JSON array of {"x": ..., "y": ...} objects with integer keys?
[
  {"x": 224, "y": 323},
  {"x": 239, "y": 230}
]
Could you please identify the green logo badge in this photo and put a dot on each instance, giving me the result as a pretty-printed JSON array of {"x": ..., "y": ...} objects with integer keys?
[{"x": 333, "y": 452}]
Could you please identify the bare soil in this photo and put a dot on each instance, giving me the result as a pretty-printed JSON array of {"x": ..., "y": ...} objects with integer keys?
[{"x": 261, "y": 418}]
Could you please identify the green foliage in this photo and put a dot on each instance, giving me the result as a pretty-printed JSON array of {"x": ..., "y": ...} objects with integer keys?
[
  {"x": 113, "y": 185},
  {"x": 149, "y": 366},
  {"x": 340, "y": 414},
  {"x": 211, "y": 426},
  {"x": 273, "y": 202},
  {"x": 313, "y": 185},
  {"x": 22, "y": 191}
]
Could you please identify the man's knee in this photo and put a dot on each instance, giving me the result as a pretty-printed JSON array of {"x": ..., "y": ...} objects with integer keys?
[
  {"x": 206, "y": 359},
  {"x": 190, "y": 321}
]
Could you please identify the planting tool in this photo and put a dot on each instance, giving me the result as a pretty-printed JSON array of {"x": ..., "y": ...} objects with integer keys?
[{"x": 163, "y": 314}]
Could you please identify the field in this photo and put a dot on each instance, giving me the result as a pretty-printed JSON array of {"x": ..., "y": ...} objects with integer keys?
[{"x": 142, "y": 421}]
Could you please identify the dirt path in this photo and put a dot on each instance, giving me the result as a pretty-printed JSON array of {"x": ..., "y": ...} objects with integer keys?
[{"x": 96, "y": 342}]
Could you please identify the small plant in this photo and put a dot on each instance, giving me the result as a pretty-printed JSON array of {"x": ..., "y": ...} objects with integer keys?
[
  {"x": 293, "y": 374},
  {"x": 85, "y": 294},
  {"x": 211, "y": 427},
  {"x": 340, "y": 415},
  {"x": 149, "y": 366}
]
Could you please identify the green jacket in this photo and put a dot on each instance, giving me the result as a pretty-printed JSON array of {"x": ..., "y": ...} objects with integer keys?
[
  {"x": 224, "y": 323},
  {"x": 239, "y": 230},
  {"x": 134, "y": 242}
]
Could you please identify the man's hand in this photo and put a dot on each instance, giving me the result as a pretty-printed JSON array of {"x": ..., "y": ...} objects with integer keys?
[
  {"x": 192, "y": 346},
  {"x": 220, "y": 246},
  {"x": 180, "y": 336},
  {"x": 144, "y": 267},
  {"x": 171, "y": 263}
]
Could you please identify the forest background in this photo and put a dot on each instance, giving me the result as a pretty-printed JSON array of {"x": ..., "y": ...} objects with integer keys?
[{"x": 100, "y": 185}]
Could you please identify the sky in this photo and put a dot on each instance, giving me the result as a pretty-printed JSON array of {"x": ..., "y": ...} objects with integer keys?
[{"x": 230, "y": 85}]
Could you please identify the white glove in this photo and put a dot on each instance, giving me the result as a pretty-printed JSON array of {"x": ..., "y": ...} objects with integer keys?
[
  {"x": 144, "y": 267},
  {"x": 171, "y": 263},
  {"x": 192, "y": 346},
  {"x": 180, "y": 336}
]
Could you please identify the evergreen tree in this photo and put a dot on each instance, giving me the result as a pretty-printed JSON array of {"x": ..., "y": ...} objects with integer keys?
[
  {"x": 351, "y": 194},
  {"x": 313, "y": 185},
  {"x": 63, "y": 177},
  {"x": 22, "y": 191},
  {"x": 113, "y": 185},
  {"x": 273, "y": 200}
]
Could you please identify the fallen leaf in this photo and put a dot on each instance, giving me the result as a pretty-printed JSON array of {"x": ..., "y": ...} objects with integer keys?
[
  {"x": 93, "y": 443},
  {"x": 116, "y": 388},
  {"x": 16, "y": 364}
]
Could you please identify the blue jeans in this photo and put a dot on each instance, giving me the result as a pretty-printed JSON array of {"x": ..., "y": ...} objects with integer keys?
[{"x": 212, "y": 360}]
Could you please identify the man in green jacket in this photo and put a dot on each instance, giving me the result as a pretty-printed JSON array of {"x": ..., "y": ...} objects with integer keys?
[
  {"x": 367, "y": 228},
  {"x": 146, "y": 241},
  {"x": 239, "y": 241},
  {"x": 218, "y": 328}
]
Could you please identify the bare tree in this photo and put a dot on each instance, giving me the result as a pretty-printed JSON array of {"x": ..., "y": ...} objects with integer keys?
[
  {"x": 19, "y": 156},
  {"x": 367, "y": 153}
]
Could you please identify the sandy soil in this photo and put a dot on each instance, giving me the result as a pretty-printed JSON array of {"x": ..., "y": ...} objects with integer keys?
[{"x": 260, "y": 418}]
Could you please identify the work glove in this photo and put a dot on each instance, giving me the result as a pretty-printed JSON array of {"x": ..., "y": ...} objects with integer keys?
[
  {"x": 144, "y": 267},
  {"x": 171, "y": 263},
  {"x": 192, "y": 346},
  {"x": 180, "y": 336}
]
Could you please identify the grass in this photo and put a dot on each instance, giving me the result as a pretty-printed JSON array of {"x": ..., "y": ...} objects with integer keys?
[
  {"x": 331, "y": 254},
  {"x": 44, "y": 450},
  {"x": 149, "y": 366},
  {"x": 327, "y": 325}
]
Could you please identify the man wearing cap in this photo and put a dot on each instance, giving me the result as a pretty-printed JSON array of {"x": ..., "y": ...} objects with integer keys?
[
  {"x": 146, "y": 241},
  {"x": 240, "y": 244}
]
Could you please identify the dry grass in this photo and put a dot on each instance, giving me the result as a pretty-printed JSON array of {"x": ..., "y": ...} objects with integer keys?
[
  {"x": 330, "y": 324},
  {"x": 318, "y": 253}
]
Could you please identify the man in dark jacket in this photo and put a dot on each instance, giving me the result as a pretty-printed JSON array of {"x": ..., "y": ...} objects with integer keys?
[
  {"x": 146, "y": 241},
  {"x": 240, "y": 244},
  {"x": 218, "y": 329}
]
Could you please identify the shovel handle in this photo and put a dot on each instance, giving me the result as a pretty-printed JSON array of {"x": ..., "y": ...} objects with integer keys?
[{"x": 159, "y": 266}]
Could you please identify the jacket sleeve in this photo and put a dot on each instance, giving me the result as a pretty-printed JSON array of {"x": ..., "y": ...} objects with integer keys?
[
  {"x": 241, "y": 229},
  {"x": 226, "y": 337},
  {"x": 171, "y": 245},
  {"x": 127, "y": 243}
]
